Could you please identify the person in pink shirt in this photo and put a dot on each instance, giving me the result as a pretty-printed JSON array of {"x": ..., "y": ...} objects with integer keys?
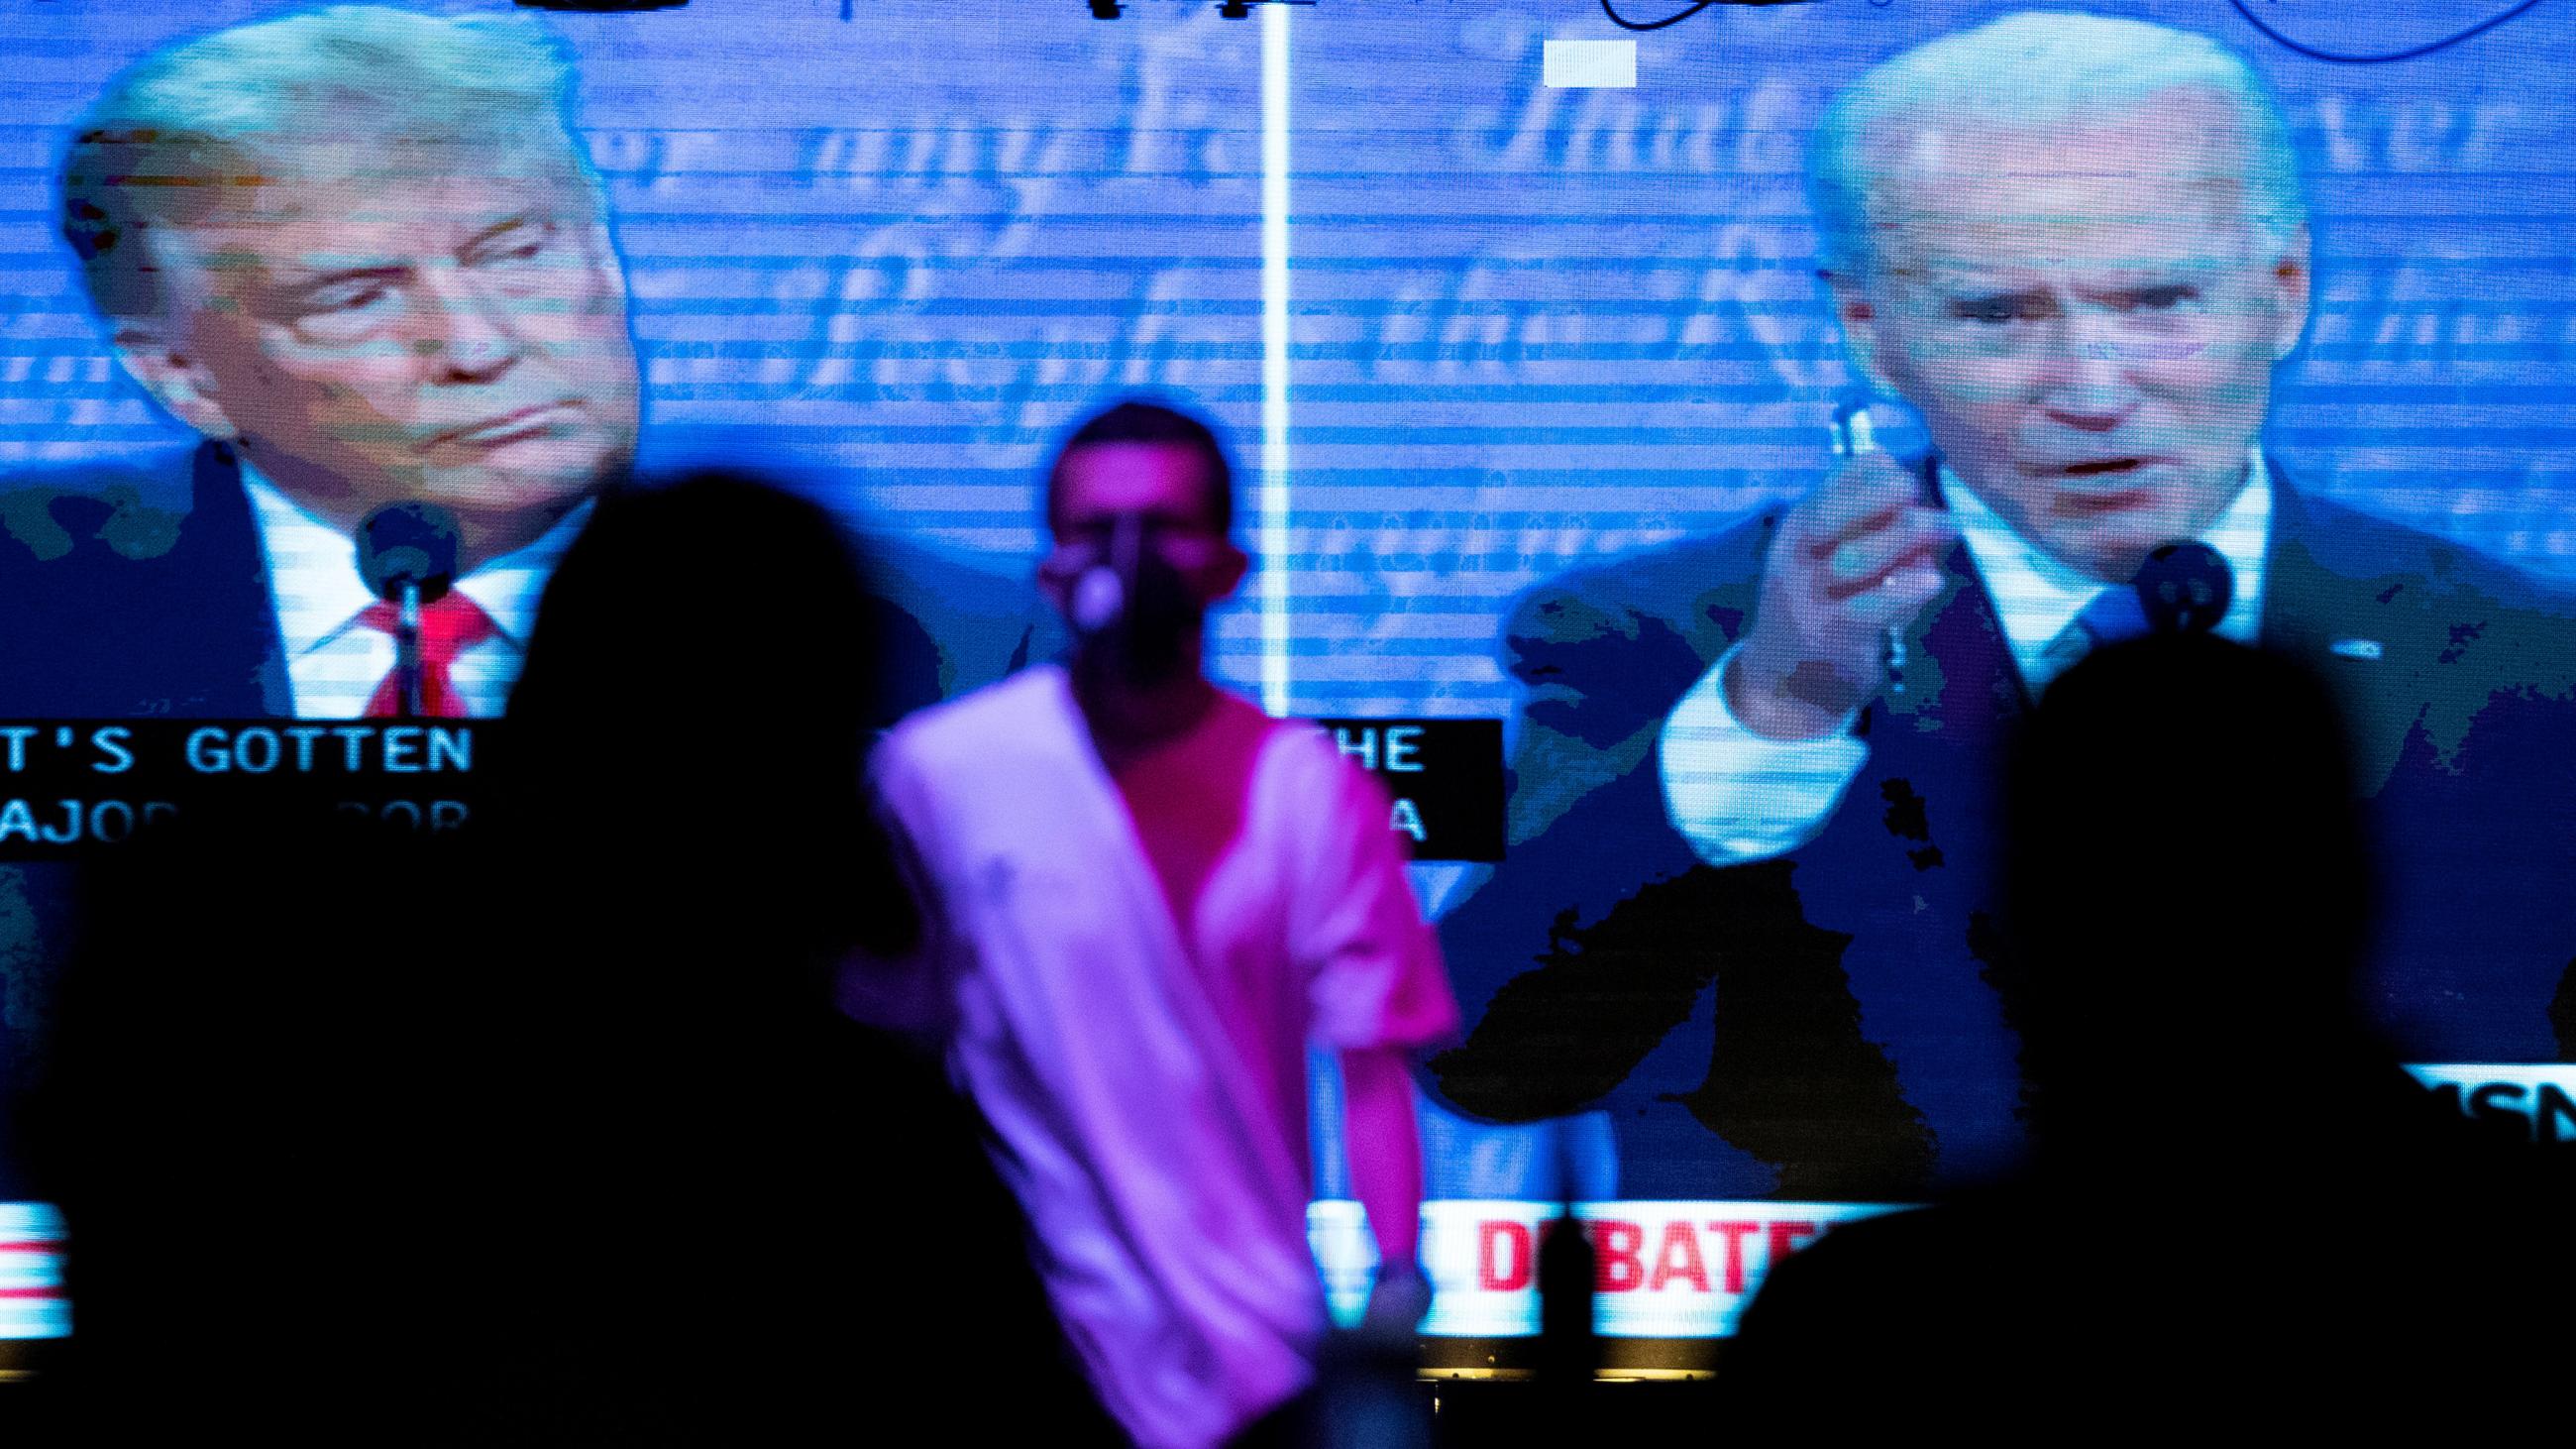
[{"x": 1145, "y": 898}]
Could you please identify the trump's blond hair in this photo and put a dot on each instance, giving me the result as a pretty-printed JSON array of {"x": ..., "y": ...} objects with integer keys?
[{"x": 189, "y": 133}]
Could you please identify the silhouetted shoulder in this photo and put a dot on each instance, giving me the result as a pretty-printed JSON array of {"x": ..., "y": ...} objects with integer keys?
[
  {"x": 2464, "y": 610},
  {"x": 2439, "y": 571},
  {"x": 1884, "y": 1318},
  {"x": 2419, "y": 633},
  {"x": 1689, "y": 585},
  {"x": 135, "y": 587},
  {"x": 144, "y": 496},
  {"x": 1603, "y": 652},
  {"x": 130, "y": 508}
]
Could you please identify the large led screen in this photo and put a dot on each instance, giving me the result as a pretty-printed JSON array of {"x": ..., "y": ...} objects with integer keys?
[{"x": 1530, "y": 325}]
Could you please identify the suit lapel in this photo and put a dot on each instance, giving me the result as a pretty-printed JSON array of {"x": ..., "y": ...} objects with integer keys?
[
  {"x": 1958, "y": 680},
  {"x": 2338, "y": 622},
  {"x": 2299, "y": 592},
  {"x": 208, "y": 644}
]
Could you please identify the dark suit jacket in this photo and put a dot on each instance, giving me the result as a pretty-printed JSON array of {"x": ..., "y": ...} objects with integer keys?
[
  {"x": 1835, "y": 1022},
  {"x": 141, "y": 590}
]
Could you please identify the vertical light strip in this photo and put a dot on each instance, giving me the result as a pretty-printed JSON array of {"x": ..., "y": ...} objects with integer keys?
[{"x": 1274, "y": 358}]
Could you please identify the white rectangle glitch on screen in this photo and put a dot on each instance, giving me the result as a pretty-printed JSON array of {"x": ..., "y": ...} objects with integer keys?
[{"x": 1591, "y": 63}]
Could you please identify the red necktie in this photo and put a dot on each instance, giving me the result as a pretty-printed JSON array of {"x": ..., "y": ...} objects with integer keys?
[{"x": 448, "y": 628}]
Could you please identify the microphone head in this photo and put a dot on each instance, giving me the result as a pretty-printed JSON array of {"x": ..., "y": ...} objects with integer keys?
[
  {"x": 408, "y": 543},
  {"x": 2184, "y": 588}
]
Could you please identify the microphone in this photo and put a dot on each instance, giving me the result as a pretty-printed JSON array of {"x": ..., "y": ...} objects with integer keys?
[
  {"x": 407, "y": 555},
  {"x": 2184, "y": 588},
  {"x": 408, "y": 544}
]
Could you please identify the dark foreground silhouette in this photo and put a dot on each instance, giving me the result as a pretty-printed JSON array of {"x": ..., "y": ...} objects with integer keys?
[
  {"x": 551, "y": 1131},
  {"x": 2239, "y": 1202}
]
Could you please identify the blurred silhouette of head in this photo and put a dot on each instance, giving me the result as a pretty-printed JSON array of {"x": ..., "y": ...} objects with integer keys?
[
  {"x": 2187, "y": 882},
  {"x": 705, "y": 675}
]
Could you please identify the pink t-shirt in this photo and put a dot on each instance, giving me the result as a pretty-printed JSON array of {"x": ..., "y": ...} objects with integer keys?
[
  {"x": 1190, "y": 803},
  {"x": 1134, "y": 970}
]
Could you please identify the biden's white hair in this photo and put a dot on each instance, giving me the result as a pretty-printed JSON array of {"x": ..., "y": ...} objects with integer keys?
[
  {"x": 2032, "y": 71},
  {"x": 178, "y": 136}
]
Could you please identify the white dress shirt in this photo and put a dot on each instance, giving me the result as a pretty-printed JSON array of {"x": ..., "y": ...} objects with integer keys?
[
  {"x": 1737, "y": 796},
  {"x": 334, "y": 663}
]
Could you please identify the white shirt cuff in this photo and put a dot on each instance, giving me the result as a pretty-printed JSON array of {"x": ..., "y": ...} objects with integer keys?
[{"x": 1738, "y": 797}]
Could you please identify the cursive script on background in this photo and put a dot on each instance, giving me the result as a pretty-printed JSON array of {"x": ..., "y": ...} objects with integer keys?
[{"x": 1624, "y": 23}]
